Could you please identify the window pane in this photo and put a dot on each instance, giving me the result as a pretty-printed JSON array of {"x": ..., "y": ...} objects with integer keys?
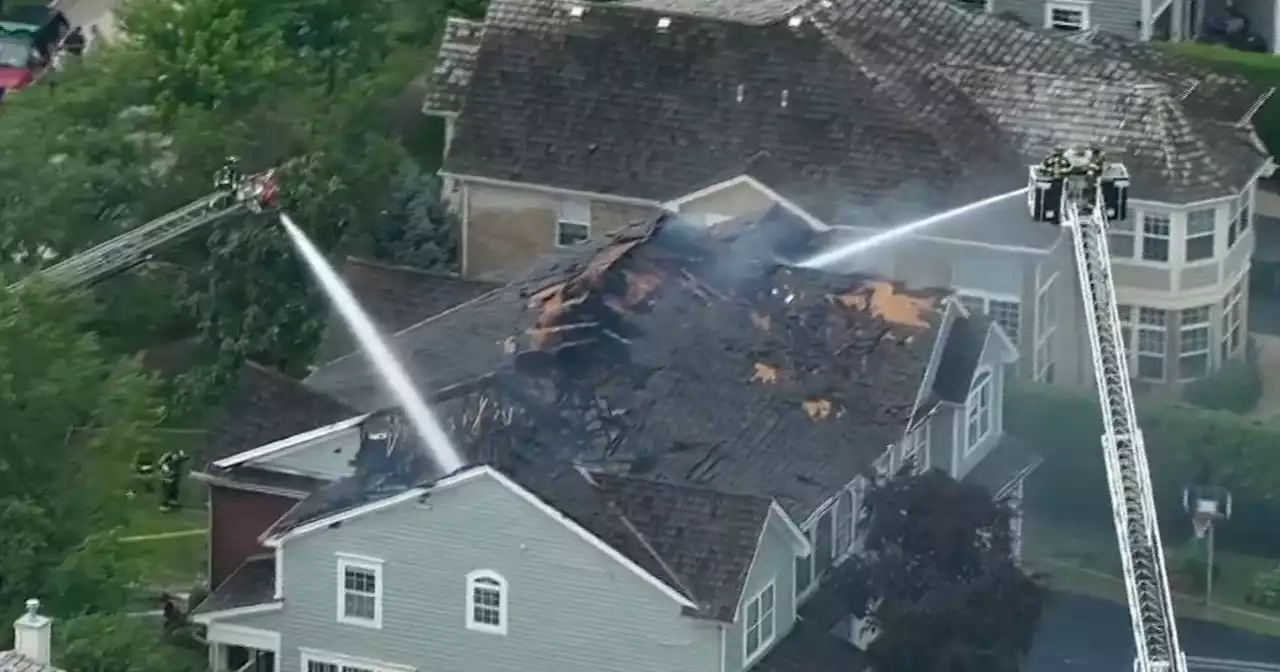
[
  {"x": 825, "y": 546},
  {"x": 1200, "y": 247},
  {"x": 1151, "y": 317},
  {"x": 1155, "y": 224},
  {"x": 1121, "y": 245},
  {"x": 1193, "y": 316},
  {"x": 1005, "y": 313},
  {"x": 1200, "y": 222},
  {"x": 1195, "y": 340},
  {"x": 570, "y": 233},
  {"x": 1150, "y": 367},
  {"x": 1155, "y": 249},
  {"x": 1193, "y": 366}
]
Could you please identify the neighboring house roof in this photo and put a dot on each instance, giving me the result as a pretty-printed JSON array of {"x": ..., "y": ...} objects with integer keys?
[
  {"x": 252, "y": 584},
  {"x": 809, "y": 648},
  {"x": 396, "y": 297},
  {"x": 715, "y": 365},
  {"x": 875, "y": 108},
  {"x": 12, "y": 661},
  {"x": 454, "y": 65},
  {"x": 698, "y": 542}
]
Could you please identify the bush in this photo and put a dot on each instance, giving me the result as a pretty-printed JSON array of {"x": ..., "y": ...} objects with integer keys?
[
  {"x": 1262, "y": 69},
  {"x": 1265, "y": 591},
  {"x": 1064, "y": 426},
  {"x": 1236, "y": 387},
  {"x": 1187, "y": 564}
]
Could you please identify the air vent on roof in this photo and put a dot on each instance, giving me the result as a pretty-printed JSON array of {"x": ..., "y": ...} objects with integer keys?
[
  {"x": 577, "y": 11},
  {"x": 795, "y": 21},
  {"x": 742, "y": 92},
  {"x": 664, "y": 23},
  {"x": 784, "y": 97}
]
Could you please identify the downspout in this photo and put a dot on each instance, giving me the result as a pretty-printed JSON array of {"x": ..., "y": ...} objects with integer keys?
[{"x": 1144, "y": 22}]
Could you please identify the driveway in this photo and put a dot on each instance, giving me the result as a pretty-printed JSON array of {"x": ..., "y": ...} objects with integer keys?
[{"x": 1084, "y": 634}]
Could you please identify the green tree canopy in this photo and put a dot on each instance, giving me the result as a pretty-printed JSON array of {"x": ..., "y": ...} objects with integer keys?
[{"x": 121, "y": 643}]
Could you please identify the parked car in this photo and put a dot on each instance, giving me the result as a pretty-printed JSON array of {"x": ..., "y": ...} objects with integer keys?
[{"x": 20, "y": 62}]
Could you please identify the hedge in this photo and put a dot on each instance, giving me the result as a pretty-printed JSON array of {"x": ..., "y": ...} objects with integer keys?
[
  {"x": 1262, "y": 69},
  {"x": 1181, "y": 440}
]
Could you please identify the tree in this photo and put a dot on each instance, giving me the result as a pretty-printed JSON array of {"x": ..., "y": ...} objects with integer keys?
[
  {"x": 122, "y": 643},
  {"x": 416, "y": 229},
  {"x": 937, "y": 584},
  {"x": 71, "y": 417}
]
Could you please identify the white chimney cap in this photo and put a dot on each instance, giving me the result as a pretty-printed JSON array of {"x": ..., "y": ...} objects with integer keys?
[
  {"x": 31, "y": 634},
  {"x": 577, "y": 11},
  {"x": 664, "y": 23},
  {"x": 795, "y": 21}
]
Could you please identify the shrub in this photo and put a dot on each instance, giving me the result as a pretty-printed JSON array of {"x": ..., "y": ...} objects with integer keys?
[
  {"x": 1187, "y": 564},
  {"x": 1236, "y": 387},
  {"x": 1265, "y": 591},
  {"x": 1064, "y": 426},
  {"x": 1262, "y": 69}
]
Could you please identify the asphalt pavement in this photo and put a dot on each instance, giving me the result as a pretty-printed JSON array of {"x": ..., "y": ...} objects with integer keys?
[{"x": 1086, "y": 634}]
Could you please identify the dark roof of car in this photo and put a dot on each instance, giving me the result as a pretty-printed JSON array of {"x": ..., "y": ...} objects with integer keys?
[
  {"x": 719, "y": 366},
  {"x": 872, "y": 105},
  {"x": 264, "y": 406},
  {"x": 396, "y": 297},
  {"x": 253, "y": 583}
]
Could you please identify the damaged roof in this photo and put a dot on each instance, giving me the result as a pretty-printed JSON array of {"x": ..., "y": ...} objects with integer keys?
[
  {"x": 872, "y": 105},
  {"x": 253, "y": 583},
  {"x": 396, "y": 297},
  {"x": 705, "y": 361}
]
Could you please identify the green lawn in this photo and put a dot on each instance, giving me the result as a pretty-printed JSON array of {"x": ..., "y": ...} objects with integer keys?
[{"x": 1087, "y": 562}]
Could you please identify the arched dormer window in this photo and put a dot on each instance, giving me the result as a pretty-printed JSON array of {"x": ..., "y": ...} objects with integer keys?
[
  {"x": 487, "y": 602},
  {"x": 978, "y": 410}
]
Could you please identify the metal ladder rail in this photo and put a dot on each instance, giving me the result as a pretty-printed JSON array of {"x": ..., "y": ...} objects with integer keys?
[
  {"x": 129, "y": 247},
  {"x": 1155, "y": 634}
]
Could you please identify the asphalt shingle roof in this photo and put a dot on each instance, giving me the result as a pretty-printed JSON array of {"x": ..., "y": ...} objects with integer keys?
[
  {"x": 252, "y": 584},
  {"x": 396, "y": 297},
  {"x": 866, "y": 104},
  {"x": 454, "y": 65}
]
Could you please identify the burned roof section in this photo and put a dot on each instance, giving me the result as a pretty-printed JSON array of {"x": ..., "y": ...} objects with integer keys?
[
  {"x": 396, "y": 297},
  {"x": 683, "y": 355},
  {"x": 838, "y": 100},
  {"x": 253, "y": 583}
]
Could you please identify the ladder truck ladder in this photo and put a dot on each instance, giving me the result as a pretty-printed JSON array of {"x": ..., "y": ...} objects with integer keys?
[
  {"x": 132, "y": 248},
  {"x": 1128, "y": 477}
]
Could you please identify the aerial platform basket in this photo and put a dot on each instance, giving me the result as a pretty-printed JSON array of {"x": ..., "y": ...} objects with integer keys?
[{"x": 1044, "y": 192}]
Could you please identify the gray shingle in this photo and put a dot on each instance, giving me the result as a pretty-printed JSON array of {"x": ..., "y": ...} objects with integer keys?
[
  {"x": 252, "y": 584},
  {"x": 12, "y": 661},
  {"x": 913, "y": 95},
  {"x": 809, "y": 648},
  {"x": 454, "y": 64}
]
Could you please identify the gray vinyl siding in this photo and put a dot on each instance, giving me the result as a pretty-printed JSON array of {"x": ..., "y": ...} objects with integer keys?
[
  {"x": 775, "y": 561},
  {"x": 571, "y": 608},
  {"x": 966, "y": 462},
  {"x": 1118, "y": 17},
  {"x": 1072, "y": 365},
  {"x": 942, "y": 437}
]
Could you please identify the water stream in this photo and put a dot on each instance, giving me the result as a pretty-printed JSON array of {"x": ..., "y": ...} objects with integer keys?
[
  {"x": 854, "y": 248},
  {"x": 420, "y": 416}
]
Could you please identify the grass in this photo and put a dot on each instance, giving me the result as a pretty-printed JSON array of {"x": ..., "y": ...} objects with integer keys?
[{"x": 1087, "y": 562}]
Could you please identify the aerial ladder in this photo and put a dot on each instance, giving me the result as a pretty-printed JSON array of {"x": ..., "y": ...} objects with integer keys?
[
  {"x": 233, "y": 193},
  {"x": 1081, "y": 189}
]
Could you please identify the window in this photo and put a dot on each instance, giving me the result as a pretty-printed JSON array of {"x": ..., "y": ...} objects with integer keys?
[
  {"x": 574, "y": 223},
  {"x": 320, "y": 661},
  {"x": 487, "y": 602},
  {"x": 1071, "y": 17},
  {"x": 804, "y": 566},
  {"x": 1003, "y": 310},
  {"x": 915, "y": 446},
  {"x": 1120, "y": 239},
  {"x": 1151, "y": 343},
  {"x": 326, "y": 666},
  {"x": 978, "y": 410},
  {"x": 1193, "y": 343},
  {"x": 1155, "y": 236},
  {"x": 825, "y": 547},
  {"x": 758, "y": 627},
  {"x": 360, "y": 591},
  {"x": 1233, "y": 320},
  {"x": 844, "y": 522},
  {"x": 1200, "y": 232},
  {"x": 1241, "y": 217}
]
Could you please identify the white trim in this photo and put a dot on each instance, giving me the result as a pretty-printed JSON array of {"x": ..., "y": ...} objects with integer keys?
[
  {"x": 217, "y": 481},
  {"x": 286, "y": 445},
  {"x": 373, "y": 566},
  {"x": 547, "y": 189},
  {"x": 975, "y": 394},
  {"x": 801, "y": 549},
  {"x": 749, "y": 657},
  {"x": 586, "y": 536},
  {"x": 817, "y": 224},
  {"x": 799, "y": 542},
  {"x": 244, "y": 636},
  {"x": 711, "y": 189},
  {"x": 339, "y": 659},
  {"x": 1161, "y": 9},
  {"x": 724, "y": 637},
  {"x": 572, "y": 219},
  {"x": 499, "y": 584},
  {"x": 1067, "y": 6},
  {"x": 274, "y": 541},
  {"x": 209, "y": 617}
]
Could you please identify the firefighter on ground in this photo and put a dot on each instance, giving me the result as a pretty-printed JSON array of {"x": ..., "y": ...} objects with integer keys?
[
  {"x": 171, "y": 472},
  {"x": 74, "y": 42},
  {"x": 144, "y": 473}
]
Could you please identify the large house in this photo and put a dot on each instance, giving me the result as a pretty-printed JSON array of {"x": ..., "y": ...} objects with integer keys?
[
  {"x": 666, "y": 435},
  {"x": 569, "y": 119}
]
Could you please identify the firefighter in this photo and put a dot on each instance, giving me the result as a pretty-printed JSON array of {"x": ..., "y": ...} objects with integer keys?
[
  {"x": 144, "y": 472},
  {"x": 228, "y": 177},
  {"x": 1093, "y": 171},
  {"x": 1057, "y": 165},
  {"x": 171, "y": 468},
  {"x": 74, "y": 42}
]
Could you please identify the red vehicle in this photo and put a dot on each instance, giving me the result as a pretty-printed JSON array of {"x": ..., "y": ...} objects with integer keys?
[{"x": 20, "y": 62}]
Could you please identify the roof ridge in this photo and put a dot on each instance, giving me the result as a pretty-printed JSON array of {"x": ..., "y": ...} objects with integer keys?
[
  {"x": 1145, "y": 82},
  {"x": 683, "y": 486},
  {"x": 404, "y": 268}
]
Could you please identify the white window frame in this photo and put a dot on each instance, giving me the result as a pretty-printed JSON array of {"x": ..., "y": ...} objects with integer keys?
[
  {"x": 572, "y": 212},
  {"x": 1211, "y": 234},
  {"x": 1155, "y": 217},
  {"x": 1131, "y": 319},
  {"x": 1233, "y": 320},
  {"x": 344, "y": 663},
  {"x": 364, "y": 564},
  {"x": 987, "y": 300},
  {"x": 750, "y": 655},
  {"x": 982, "y": 388},
  {"x": 1184, "y": 328},
  {"x": 1241, "y": 216},
  {"x": 916, "y": 445},
  {"x": 1046, "y": 326},
  {"x": 487, "y": 579},
  {"x": 1081, "y": 8}
]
